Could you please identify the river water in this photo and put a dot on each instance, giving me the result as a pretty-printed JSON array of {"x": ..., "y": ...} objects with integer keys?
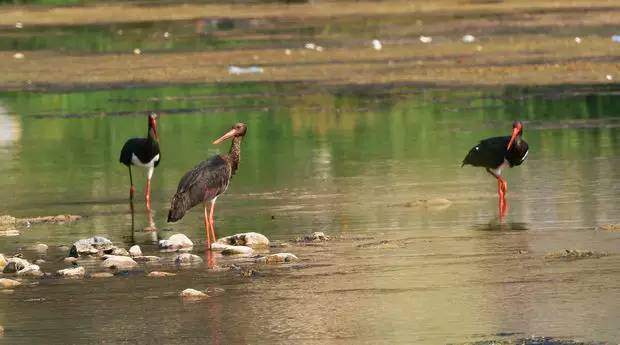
[{"x": 417, "y": 254}]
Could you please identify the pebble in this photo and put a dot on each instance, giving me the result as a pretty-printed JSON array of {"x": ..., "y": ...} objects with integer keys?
[
  {"x": 376, "y": 44},
  {"x": 238, "y": 250},
  {"x": 41, "y": 247},
  {"x": 73, "y": 272},
  {"x": 278, "y": 258},
  {"x": 176, "y": 242},
  {"x": 160, "y": 274},
  {"x": 248, "y": 239},
  {"x": 193, "y": 294},
  {"x": 426, "y": 39},
  {"x": 119, "y": 262},
  {"x": 18, "y": 56},
  {"x": 187, "y": 259},
  {"x": 102, "y": 275}
]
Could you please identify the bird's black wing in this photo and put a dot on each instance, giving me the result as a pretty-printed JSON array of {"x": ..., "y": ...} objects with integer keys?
[
  {"x": 129, "y": 148},
  {"x": 489, "y": 153}
]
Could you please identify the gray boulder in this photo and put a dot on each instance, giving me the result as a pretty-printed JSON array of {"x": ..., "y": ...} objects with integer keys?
[
  {"x": 248, "y": 239},
  {"x": 176, "y": 242},
  {"x": 90, "y": 246}
]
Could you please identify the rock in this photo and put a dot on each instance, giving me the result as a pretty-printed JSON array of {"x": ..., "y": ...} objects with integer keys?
[
  {"x": 135, "y": 251},
  {"x": 238, "y": 250},
  {"x": 314, "y": 237},
  {"x": 187, "y": 259},
  {"x": 59, "y": 219},
  {"x": 14, "y": 265},
  {"x": 119, "y": 252},
  {"x": 74, "y": 272},
  {"x": 7, "y": 220},
  {"x": 160, "y": 274},
  {"x": 1, "y": 331},
  {"x": 3, "y": 261},
  {"x": 8, "y": 283},
  {"x": 119, "y": 262},
  {"x": 39, "y": 261},
  {"x": 101, "y": 275},
  {"x": 248, "y": 239},
  {"x": 573, "y": 254},
  {"x": 40, "y": 247},
  {"x": 219, "y": 246},
  {"x": 70, "y": 260},
  {"x": 176, "y": 242},
  {"x": 193, "y": 294},
  {"x": 278, "y": 258},
  {"x": 31, "y": 271},
  {"x": 609, "y": 227},
  {"x": 146, "y": 258},
  {"x": 90, "y": 246}
]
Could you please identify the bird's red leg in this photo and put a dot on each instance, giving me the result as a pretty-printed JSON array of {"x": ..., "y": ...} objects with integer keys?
[
  {"x": 212, "y": 221},
  {"x": 207, "y": 231},
  {"x": 504, "y": 203},
  {"x": 500, "y": 193},
  {"x": 147, "y": 194}
]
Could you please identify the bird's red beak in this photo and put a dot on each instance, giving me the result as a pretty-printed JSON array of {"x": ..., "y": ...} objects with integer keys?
[
  {"x": 228, "y": 135},
  {"x": 515, "y": 133}
]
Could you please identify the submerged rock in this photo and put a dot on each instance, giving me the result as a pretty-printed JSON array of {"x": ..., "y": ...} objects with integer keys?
[
  {"x": 248, "y": 239},
  {"x": 160, "y": 274},
  {"x": 609, "y": 227},
  {"x": 146, "y": 258},
  {"x": 278, "y": 258},
  {"x": 193, "y": 294},
  {"x": 40, "y": 247},
  {"x": 70, "y": 259},
  {"x": 39, "y": 261},
  {"x": 176, "y": 242},
  {"x": 135, "y": 251},
  {"x": 74, "y": 272},
  {"x": 187, "y": 259},
  {"x": 119, "y": 262},
  {"x": 119, "y": 252},
  {"x": 6, "y": 283},
  {"x": 59, "y": 219},
  {"x": 316, "y": 236},
  {"x": 238, "y": 250},
  {"x": 573, "y": 254},
  {"x": 90, "y": 246},
  {"x": 101, "y": 275}
]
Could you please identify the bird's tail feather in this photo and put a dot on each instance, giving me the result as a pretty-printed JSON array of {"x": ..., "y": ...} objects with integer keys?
[{"x": 178, "y": 206}]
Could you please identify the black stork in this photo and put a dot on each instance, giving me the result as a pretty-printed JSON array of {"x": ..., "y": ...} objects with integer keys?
[
  {"x": 496, "y": 153},
  {"x": 208, "y": 180},
  {"x": 142, "y": 152}
]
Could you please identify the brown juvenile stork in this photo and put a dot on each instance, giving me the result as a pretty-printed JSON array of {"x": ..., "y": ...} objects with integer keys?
[
  {"x": 496, "y": 153},
  {"x": 206, "y": 181}
]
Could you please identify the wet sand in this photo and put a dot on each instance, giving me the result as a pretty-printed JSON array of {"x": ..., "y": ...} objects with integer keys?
[{"x": 516, "y": 43}]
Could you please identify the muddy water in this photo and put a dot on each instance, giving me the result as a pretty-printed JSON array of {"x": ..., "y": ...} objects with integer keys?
[{"x": 368, "y": 167}]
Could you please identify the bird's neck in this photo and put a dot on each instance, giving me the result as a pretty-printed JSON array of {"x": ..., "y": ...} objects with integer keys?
[
  {"x": 234, "y": 155},
  {"x": 151, "y": 135}
]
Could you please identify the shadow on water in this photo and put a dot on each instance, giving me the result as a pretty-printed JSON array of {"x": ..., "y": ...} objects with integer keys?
[{"x": 495, "y": 225}]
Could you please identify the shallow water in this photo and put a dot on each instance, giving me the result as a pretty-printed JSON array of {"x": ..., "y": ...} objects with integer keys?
[{"x": 353, "y": 163}]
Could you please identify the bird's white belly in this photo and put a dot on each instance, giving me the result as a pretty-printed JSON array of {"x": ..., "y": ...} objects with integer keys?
[
  {"x": 136, "y": 161},
  {"x": 498, "y": 171}
]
